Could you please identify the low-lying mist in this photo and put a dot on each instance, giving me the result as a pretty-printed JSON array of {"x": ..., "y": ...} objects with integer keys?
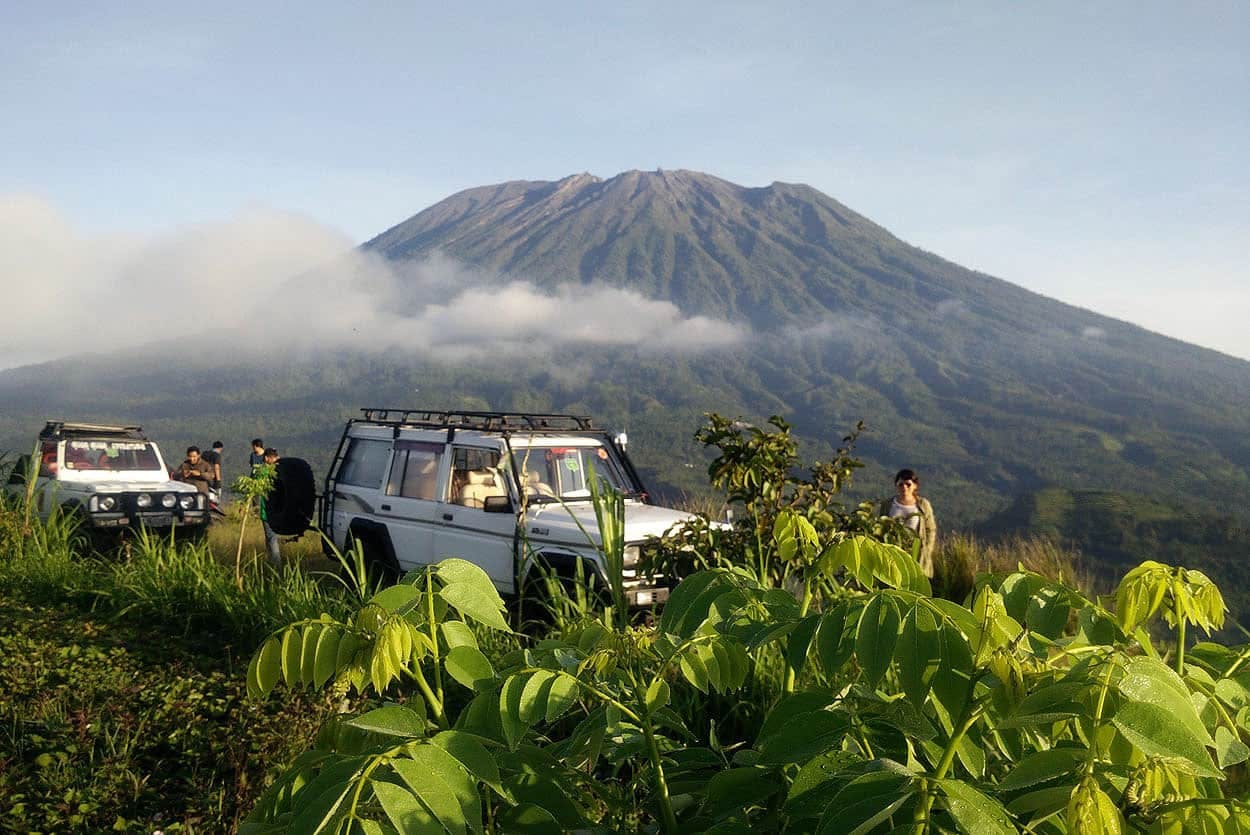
[{"x": 268, "y": 281}]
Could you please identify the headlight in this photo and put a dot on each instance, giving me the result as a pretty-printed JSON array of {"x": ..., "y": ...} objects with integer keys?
[
  {"x": 632, "y": 553},
  {"x": 143, "y": 500},
  {"x": 186, "y": 502},
  {"x": 168, "y": 500},
  {"x": 107, "y": 503}
]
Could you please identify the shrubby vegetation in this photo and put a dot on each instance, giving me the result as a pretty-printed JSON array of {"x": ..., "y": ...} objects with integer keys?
[
  {"x": 875, "y": 705},
  {"x": 804, "y": 677}
]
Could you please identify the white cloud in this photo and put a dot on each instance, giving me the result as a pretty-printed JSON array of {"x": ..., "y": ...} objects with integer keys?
[{"x": 280, "y": 281}]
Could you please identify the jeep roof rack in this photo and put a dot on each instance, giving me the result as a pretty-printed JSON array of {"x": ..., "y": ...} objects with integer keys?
[
  {"x": 482, "y": 421},
  {"x": 67, "y": 429}
]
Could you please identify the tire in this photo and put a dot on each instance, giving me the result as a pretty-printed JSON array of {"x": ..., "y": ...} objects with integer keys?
[{"x": 290, "y": 505}]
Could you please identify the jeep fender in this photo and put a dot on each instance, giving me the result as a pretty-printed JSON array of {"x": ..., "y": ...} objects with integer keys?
[
  {"x": 376, "y": 540},
  {"x": 564, "y": 566}
]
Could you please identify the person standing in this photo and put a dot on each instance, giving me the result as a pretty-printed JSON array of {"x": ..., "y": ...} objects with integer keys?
[
  {"x": 214, "y": 459},
  {"x": 270, "y": 458},
  {"x": 258, "y": 454},
  {"x": 914, "y": 511}
]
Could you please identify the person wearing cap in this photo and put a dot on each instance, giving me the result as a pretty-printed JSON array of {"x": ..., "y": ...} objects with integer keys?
[
  {"x": 915, "y": 512},
  {"x": 269, "y": 459}
]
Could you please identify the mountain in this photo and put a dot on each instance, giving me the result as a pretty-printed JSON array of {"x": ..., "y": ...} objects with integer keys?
[{"x": 991, "y": 391}]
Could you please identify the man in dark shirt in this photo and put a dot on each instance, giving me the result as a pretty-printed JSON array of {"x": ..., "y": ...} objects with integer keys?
[
  {"x": 258, "y": 453},
  {"x": 194, "y": 470},
  {"x": 213, "y": 459}
]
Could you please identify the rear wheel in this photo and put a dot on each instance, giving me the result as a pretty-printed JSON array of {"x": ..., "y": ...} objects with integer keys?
[{"x": 380, "y": 567}]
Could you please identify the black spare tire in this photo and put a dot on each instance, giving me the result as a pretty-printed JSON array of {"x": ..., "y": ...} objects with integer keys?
[{"x": 291, "y": 503}]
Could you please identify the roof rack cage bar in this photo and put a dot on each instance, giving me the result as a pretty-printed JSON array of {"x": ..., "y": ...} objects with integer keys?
[
  {"x": 484, "y": 421},
  {"x": 57, "y": 427}
]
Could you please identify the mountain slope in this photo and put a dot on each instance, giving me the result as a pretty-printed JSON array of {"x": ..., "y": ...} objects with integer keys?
[
  {"x": 998, "y": 389},
  {"x": 988, "y": 389}
]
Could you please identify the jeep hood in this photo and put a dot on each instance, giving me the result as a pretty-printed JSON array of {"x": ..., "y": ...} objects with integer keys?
[
  {"x": 135, "y": 480},
  {"x": 560, "y": 522}
]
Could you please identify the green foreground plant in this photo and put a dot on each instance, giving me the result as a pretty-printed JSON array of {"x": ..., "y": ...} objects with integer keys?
[{"x": 1032, "y": 708}]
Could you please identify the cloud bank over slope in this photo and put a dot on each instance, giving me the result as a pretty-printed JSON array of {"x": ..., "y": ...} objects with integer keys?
[{"x": 270, "y": 281}]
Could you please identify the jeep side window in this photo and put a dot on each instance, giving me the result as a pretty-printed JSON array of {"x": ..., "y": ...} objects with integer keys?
[
  {"x": 365, "y": 463},
  {"x": 414, "y": 470},
  {"x": 474, "y": 476},
  {"x": 47, "y": 460}
]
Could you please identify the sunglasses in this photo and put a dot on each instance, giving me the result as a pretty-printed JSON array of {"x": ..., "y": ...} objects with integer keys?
[{"x": 905, "y": 481}]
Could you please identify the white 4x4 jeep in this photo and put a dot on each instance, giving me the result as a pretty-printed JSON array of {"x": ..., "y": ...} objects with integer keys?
[
  {"x": 499, "y": 489},
  {"x": 112, "y": 477}
]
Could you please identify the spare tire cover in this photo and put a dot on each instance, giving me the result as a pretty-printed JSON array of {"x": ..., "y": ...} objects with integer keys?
[{"x": 291, "y": 503}]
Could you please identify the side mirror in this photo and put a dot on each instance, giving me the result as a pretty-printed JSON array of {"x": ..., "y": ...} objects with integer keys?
[
  {"x": 497, "y": 504},
  {"x": 621, "y": 440}
]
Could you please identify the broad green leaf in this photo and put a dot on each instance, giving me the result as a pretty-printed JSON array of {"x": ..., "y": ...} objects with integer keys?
[
  {"x": 308, "y": 653},
  {"x": 292, "y": 653},
  {"x": 1155, "y": 731},
  {"x": 790, "y": 706},
  {"x": 1042, "y": 802},
  {"x": 348, "y": 645},
  {"x": 817, "y": 782},
  {"x": 403, "y": 809},
  {"x": 472, "y": 755},
  {"x": 399, "y": 598},
  {"x": 1041, "y": 767},
  {"x": 561, "y": 696},
  {"x": 1229, "y": 750},
  {"x": 457, "y": 634},
  {"x": 689, "y": 602},
  {"x": 694, "y": 670},
  {"x": 831, "y": 647},
  {"x": 1152, "y": 682},
  {"x": 484, "y": 606},
  {"x": 326, "y": 657},
  {"x": 919, "y": 653},
  {"x": 266, "y": 668},
  {"x": 433, "y": 789},
  {"x": 321, "y": 801},
  {"x": 804, "y": 736},
  {"x": 799, "y": 641},
  {"x": 534, "y": 696},
  {"x": 876, "y": 636},
  {"x": 975, "y": 813},
  {"x": 514, "y": 727},
  {"x": 657, "y": 695},
  {"x": 1047, "y": 705},
  {"x": 737, "y": 789},
  {"x": 865, "y": 803},
  {"x": 467, "y": 665},
  {"x": 529, "y": 819},
  {"x": 437, "y": 762},
  {"x": 392, "y": 720}
]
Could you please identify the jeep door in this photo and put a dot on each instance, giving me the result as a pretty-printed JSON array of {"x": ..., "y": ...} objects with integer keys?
[
  {"x": 409, "y": 501},
  {"x": 466, "y": 529}
]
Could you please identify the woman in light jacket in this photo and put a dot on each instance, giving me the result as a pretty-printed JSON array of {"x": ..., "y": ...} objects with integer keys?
[{"x": 914, "y": 511}]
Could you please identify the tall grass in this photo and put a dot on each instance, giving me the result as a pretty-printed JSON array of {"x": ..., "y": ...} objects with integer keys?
[
  {"x": 961, "y": 557},
  {"x": 178, "y": 584}
]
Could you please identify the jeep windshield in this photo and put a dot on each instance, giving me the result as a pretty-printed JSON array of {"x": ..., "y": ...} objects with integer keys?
[
  {"x": 562, "y": 472},
  {"x": 115, "y": 455}
]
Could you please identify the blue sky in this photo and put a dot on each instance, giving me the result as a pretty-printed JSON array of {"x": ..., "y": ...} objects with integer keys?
[{"x": 1098, "y": 153}]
